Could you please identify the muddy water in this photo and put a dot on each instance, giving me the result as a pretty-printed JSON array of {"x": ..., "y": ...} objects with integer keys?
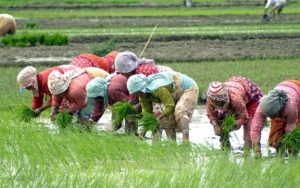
[{"x": 201, "y": 132}]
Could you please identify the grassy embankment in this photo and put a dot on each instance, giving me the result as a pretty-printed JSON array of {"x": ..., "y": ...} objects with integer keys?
[
  {"x": 153, "y": 12},
  {"x": 123, "y": 2}
]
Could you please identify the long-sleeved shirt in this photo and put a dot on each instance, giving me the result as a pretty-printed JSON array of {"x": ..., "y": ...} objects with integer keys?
[
  {"x": 42, "y": 79},
  {"x": 290, "y": 112},
  {"x": 241, "y": 91},
  {"x": 161, "y": 95},
  {"x": 75, "y": 94}
]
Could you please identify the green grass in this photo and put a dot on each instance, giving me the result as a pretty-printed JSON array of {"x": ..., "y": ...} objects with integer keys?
[
  {"x": 211, "y": 30},
  {"x": 26, "y": 2},
  {"x": 34, "y": 156},
  {"x": 140, "y": 12},
  {"x": 265, "y": 73},
  {"x": 26, "y": 39}
]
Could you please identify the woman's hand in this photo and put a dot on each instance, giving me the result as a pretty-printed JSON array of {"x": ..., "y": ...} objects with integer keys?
[{"x": 217, "y": 128}]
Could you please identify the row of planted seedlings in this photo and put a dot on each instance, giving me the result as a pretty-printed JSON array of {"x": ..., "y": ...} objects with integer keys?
[
  {"x": 290, "y": 143},
  {"x": 91, "y": 157}
]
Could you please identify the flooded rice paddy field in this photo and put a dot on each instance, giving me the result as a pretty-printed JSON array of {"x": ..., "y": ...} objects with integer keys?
[{"x": 201, "y": 132}]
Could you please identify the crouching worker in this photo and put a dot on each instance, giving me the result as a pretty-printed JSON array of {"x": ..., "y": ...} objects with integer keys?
[
  {"x": 30, "y": 79},
  {"x": 108, "y": 91},
  {"x": 71, "y": 86},
  {"x": 177, "y": 92},
  {"x": 238, "y": 96},
  {"x": 276, "y": 7},
  {"x": 282, "y": 105},
  {"x": 7, "y": 24}
]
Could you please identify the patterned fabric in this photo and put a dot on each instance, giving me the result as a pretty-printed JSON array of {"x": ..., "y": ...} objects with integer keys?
[
  {"x": 43, "y": 92},
  {"x": 75, "y": 95},
  {"x": 58, "y": 82},
  {"x": 89, "y": 60},
  {"x": 110, "y": 58},
  {"x": 289, "y": 114},
  {"x": 147, "y": 69},
  {"x": 161, "y": 95},
  {"x": 243, "y": 101},
  {"x": 218, "y": 92},
  {"x": 253, "y": 92}
]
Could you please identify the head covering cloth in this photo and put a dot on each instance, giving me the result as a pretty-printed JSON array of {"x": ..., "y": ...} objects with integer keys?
[
  {"x": 28, "y": 77},
  {"x": 59, "y": 83},
  {"x": 97, "y": 87},
  {"x": 217, "y": 91},
  {"x": 273, "y": 102},
  {"x": 148, "y": 84},
  {"x": 127, "y": 62}
]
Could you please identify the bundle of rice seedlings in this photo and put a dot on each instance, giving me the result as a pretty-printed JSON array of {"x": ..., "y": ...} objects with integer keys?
[
  {"x": 291, "y": 140},
  {"x": 120, "y": 110},
  {"x": 149, "y": 122},
  {"x": 228, "y": 123},
  {"x": 227, "y": 127},
  {"x": 63, "y": 119},
  {"x": 26, "y": 113}
]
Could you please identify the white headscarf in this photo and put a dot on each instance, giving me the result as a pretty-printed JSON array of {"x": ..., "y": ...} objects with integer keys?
[
  {"x": 28, "y": 77},
  {"x": 59, "y": 83},
  {"x": 127, "y": 61}
]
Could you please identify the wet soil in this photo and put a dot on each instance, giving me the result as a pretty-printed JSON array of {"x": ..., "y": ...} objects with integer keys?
[
  {"x": 151, "y": 21},
  {"x": 190, "y": 50},
  {"x": 161, "y": 48}
]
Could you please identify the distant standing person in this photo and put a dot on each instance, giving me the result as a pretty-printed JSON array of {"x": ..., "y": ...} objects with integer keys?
[
  {"x": 7, "y": 24},
  {"x": 275, "y": 5}
]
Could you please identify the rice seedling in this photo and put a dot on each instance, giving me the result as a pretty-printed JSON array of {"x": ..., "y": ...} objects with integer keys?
[
  {"x": 291, "y": 141},
  {"x": 63, "y": 119},
  {"x": 227, "y": 126},
  {"x": 121, "y": 110},
  {"x": 26, "y": 113},
  {"x": 26, "y": 39},
  {"x": 149, "y": 122}
]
